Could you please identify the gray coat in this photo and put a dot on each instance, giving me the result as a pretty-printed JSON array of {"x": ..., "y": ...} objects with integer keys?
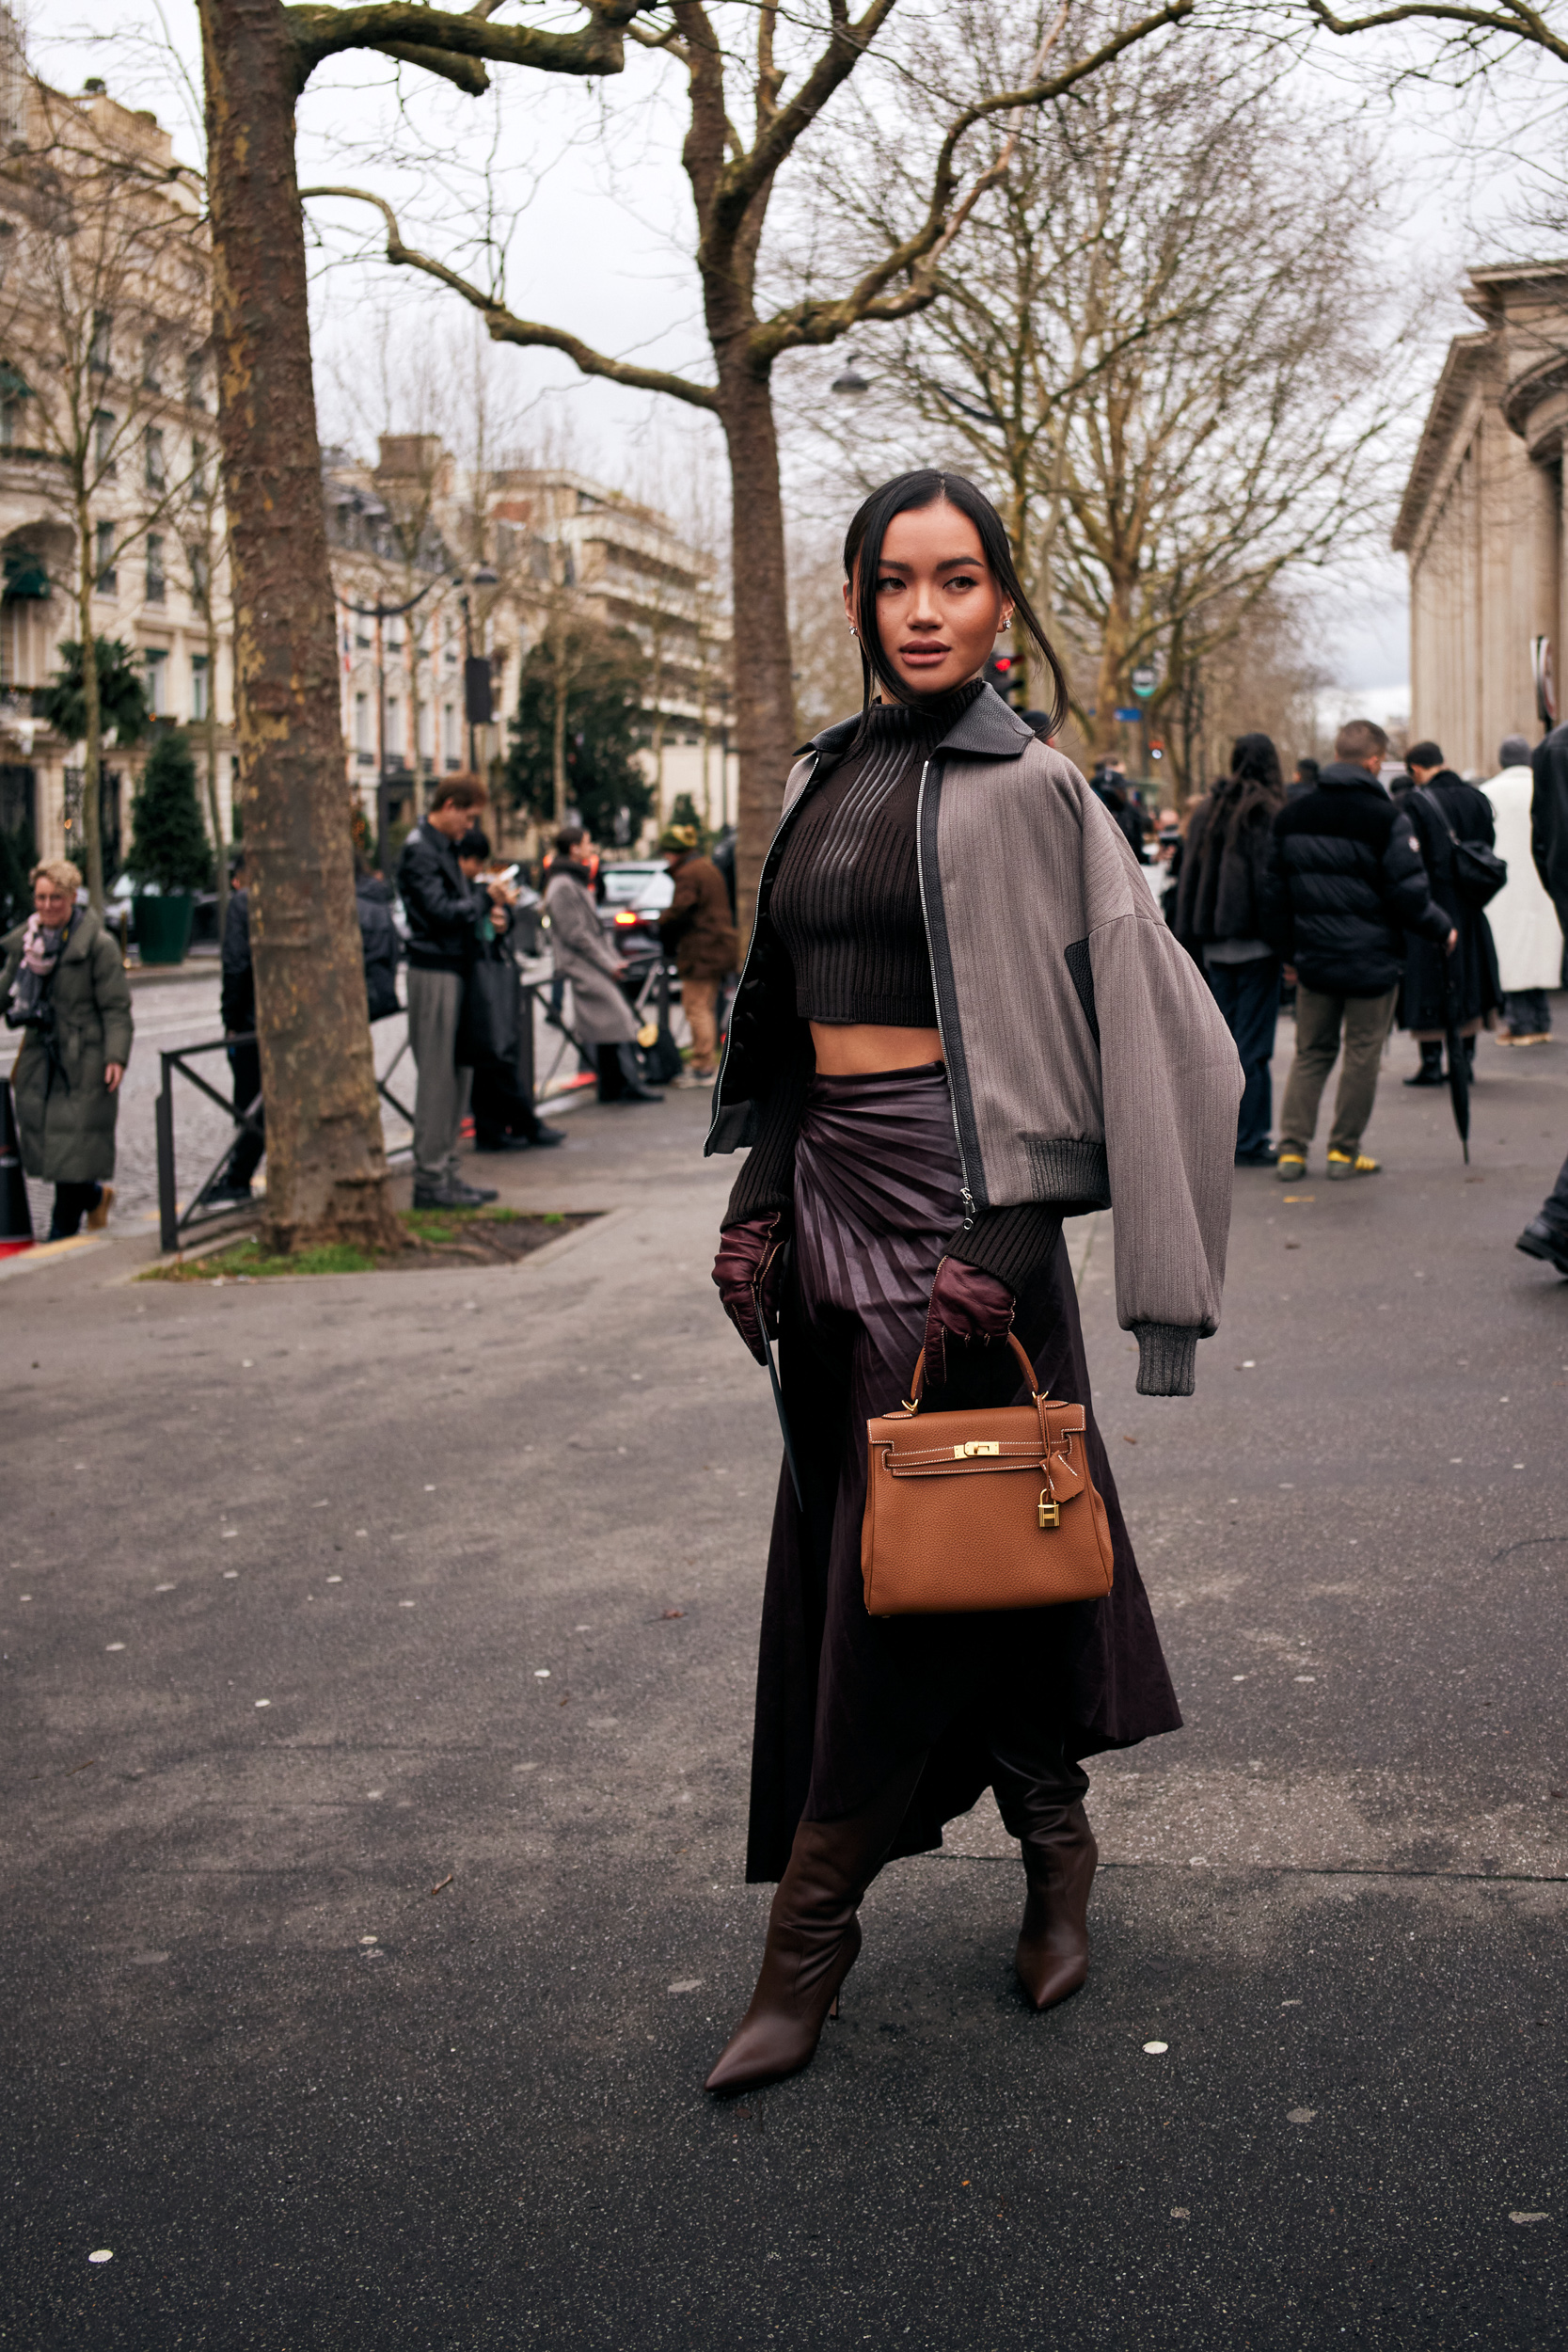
[
  {"x": 1088, "y": 1061},
  {"x": 65, "y": 1112},
  {"x": 581, "y": 954}
]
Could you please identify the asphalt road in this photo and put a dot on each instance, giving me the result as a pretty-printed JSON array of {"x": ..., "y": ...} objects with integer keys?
[{"x": 378, "y": 1658}]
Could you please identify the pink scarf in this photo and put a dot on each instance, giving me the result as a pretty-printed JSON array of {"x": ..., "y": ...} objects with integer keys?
[{"x": 42, "y": 945}]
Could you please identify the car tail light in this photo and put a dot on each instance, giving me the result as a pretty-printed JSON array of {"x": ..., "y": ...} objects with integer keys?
[{"x": 625, "y": 918}]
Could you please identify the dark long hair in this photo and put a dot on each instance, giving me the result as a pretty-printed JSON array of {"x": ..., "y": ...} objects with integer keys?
[
  {"x": 862, "y": 545},
  {"x": 1254, "y": 756}
]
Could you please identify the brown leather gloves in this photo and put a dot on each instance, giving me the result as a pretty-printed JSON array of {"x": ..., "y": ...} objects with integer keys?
[
  {"x": 968, "y": 1309},
  {"x": 747, "y": 1272}
]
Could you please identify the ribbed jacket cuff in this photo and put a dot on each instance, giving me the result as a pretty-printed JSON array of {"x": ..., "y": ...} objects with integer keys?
[
  {"x": 1167, "y": 1358},
  {"x": 766, "y": 1175},
  {"x": 1012, "y": 1244}
]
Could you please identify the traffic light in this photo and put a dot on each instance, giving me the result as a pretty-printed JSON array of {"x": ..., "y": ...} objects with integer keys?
[{"x": 1005, "y": 673}]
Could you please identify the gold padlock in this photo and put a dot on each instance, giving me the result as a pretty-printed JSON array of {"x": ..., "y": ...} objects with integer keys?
[{"x": 1051, "y": 1512}]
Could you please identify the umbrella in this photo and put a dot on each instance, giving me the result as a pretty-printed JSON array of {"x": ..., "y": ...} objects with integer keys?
[
  {"x": 1459, "y": 1067},
  {"x": 783, "y": 1422}
]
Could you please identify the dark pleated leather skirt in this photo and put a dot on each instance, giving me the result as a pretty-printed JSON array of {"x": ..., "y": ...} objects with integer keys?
[{"x": 844, "y": 1699}]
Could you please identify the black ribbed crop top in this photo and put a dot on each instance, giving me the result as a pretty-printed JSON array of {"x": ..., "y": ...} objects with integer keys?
[{"x": 845, "y": 902}]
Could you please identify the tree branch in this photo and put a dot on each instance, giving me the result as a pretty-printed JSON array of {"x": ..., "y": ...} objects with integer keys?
[
  {"x": 420, "y": 34},
  {"x": 1513, "y": 17},
  {"x": 815, "y": 321},
  {"x": 504, "y": 327}
]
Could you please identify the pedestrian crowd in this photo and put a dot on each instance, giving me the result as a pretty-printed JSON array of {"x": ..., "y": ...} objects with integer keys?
[{"x": 1428, "y": 901}]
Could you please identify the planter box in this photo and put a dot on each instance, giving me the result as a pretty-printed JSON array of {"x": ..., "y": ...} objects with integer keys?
[{"x": 164, "y": 927}]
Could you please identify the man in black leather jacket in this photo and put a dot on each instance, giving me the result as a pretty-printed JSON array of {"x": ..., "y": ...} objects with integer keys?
[
  {"x": 441, "y": 907},
  {"x": 1344, "y": 882}
]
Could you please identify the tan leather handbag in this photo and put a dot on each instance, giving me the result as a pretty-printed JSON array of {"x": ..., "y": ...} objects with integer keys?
[{"x": 981, "y": 1509}]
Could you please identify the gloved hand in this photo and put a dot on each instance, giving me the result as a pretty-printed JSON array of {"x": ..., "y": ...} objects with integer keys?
[
  {"x": 969, "y": 1309},
  {"x": 747, "y": 1272}
]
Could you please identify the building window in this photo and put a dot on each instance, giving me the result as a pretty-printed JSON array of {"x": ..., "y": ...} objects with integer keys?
[
  {"x": 156, "y": 578},
  {"x": 361, "y": 723},
  {"x": 392, "y": 737},
  {"x": 103, "y": 444},
  {"x": 425, "y": 726},
  {"x": 201, "y": 577},
  {"x": 100, "y": 348},
  {"x": 451, "y": 743},
  {"x": 193, "y": 395},
  {"x": 152, "y": 441},
  {"x": 156, "y": 664},
  {"x": 108, "y": 578},
  {"x": 198, "y": 473},
  {"x": 150, "y": 349},
  {"x": 198, "y": 686}
]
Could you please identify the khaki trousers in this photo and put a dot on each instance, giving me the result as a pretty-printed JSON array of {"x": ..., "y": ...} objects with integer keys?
[
  {"x": 1319, "y": 1021},
  {"x": 701, "y": 1001}
]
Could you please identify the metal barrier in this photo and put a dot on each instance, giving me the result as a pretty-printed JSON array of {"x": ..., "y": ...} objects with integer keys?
[
  {"x": 171, "y": 1222},
  {"x": 653, "y": 998}
]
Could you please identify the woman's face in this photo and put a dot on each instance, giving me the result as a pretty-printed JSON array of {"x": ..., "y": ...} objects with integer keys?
[
  {"x": 939, "y": 607},
  {"x": 51, "y": 903}
]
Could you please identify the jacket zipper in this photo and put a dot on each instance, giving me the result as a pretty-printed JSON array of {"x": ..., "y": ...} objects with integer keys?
[
  {"x": 964, "y": 1192},
  {"x": 750, "y": 949}
]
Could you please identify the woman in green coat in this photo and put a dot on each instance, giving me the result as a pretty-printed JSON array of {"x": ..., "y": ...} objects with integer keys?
[{"x": 63, "y": 984}]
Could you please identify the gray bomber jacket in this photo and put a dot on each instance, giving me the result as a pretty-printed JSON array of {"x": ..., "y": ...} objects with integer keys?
[{"x": 1088, "y": 1061}]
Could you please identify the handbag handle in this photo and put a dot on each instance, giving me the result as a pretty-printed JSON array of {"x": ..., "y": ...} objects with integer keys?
[{"x": 911, "y": 1402}]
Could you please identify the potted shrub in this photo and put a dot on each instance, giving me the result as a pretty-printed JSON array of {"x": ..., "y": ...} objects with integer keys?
[{"x": 170, "y": 857}]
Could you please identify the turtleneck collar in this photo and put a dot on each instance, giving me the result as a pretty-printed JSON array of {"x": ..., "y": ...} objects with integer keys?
[{"x": 925, "y": 721}]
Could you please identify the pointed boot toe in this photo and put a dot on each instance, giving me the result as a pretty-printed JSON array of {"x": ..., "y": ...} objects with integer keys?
[
  {"x": 1052, "y": 1956},
  {"x": 795, "y": 1991}
]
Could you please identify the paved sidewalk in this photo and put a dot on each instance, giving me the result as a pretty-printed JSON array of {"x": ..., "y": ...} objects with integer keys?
[{"x": 378, "y": 1722}]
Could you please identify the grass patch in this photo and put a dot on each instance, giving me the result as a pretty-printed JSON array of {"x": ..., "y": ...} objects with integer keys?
[{"x": 438, "y": 1237}]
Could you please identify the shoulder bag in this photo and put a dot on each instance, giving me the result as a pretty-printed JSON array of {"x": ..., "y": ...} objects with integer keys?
[
  {"x": 981, "y": 1509},
  {"x": 1478, "y": 873}
]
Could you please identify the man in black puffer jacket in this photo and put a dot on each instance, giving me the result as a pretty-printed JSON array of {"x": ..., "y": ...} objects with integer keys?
[{"x": 1344, "y": 881}]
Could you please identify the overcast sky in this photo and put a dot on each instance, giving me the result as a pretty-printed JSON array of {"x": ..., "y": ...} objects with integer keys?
[{"x": 600, "y": 246}]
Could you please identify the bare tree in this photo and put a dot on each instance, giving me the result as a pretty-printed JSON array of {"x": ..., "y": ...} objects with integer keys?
[
  {"x": 101, "y": 323},
  {"x": 326, "y": 1164},
  {"x": 1164, "y": 351},
  {"x": 779, "y": 74}
]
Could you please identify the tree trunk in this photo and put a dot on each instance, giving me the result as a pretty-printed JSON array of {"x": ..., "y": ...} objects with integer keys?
[
  {"x": 764, "y": 689},
  {"x": 92, "y": 724},
  {"x": 210, "y": 730},
  {"x": 326, "y": 1169},
  {"x": 558, "y": 730}
]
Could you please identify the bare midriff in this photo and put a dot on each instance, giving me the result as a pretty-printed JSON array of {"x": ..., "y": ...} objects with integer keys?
[{"x": 850, "y": 1049}]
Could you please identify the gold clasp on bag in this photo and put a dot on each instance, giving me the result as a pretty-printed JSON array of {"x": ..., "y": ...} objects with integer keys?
[
  {"x": 1051, "y": 1513},
  {"x": 972, "y": 1446}
]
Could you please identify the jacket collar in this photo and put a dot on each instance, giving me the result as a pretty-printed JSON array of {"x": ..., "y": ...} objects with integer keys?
[
  {"x": 1342, "y": 774},
  {"x": 988, "y": 729}
]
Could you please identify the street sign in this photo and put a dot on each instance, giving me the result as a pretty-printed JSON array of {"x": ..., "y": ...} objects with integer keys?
[
  {"x": 1145, "y": 678},
  {"x": 1130, "y": 717}
]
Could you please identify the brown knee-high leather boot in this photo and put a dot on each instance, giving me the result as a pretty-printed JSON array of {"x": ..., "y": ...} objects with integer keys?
[
  {"x": 814, "y": 1937},
  {"x": 1040, "y": 1798},
  {"x": 1059, "y": 1858}
]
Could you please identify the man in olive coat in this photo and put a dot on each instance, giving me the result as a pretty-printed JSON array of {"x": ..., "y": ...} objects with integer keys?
[{"x": 697, "y": 929}]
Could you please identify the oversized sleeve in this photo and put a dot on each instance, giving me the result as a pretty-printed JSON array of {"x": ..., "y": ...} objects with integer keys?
[
  {"x": 111, "y": 988},
  {"x": 1171, "y": 1084}
]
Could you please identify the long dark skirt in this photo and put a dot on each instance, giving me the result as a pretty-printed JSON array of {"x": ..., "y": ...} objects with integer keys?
[{"x": 844, "y": 1699}]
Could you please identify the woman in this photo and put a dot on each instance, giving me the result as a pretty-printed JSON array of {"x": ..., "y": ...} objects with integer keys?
[
  {"x": 1219, "y": 921},
  {"x": 64, "y": 983},
  {"x": 582, "y": 955},
  {"x": 1443, "y": 808},
  {"x": 962, "y": 1019}
]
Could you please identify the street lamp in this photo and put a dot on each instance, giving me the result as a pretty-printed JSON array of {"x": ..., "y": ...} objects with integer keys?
[
  {"x": 849, "y": 383},
  {"x": 478, "y": 708}
]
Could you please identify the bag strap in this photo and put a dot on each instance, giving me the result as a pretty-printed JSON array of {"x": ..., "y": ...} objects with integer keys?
[{"x": 911, "y": 1402}]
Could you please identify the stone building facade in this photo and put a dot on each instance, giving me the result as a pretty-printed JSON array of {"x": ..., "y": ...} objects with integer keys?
[{"x": 1483, "y": 525}]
